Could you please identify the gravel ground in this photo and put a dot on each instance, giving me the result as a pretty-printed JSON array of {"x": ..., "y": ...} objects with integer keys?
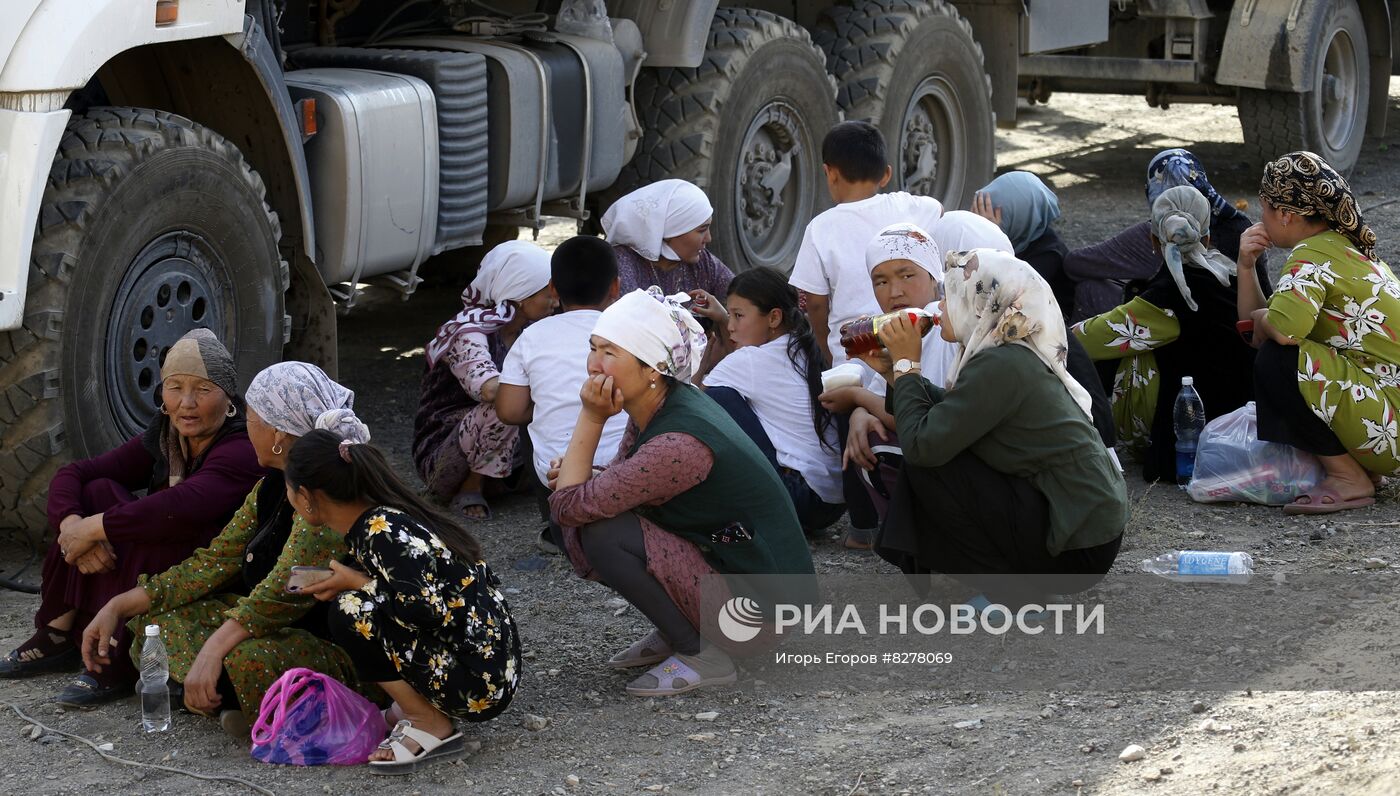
[{"x": 595, "y": 739}]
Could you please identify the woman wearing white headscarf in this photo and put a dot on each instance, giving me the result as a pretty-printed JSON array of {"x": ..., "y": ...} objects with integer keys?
[
  {"x": 1182, "y": 323},
  {"x": 660, "y": 233},
  {"x": 458, "y": 441},
  {"x": 1003, "y": 472},
  {"x": 229, "y": 625},
  {"x": 688, "y": 495}
]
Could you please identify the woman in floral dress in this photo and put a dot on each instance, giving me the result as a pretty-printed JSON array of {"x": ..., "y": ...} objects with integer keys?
[
  {"x": 1328, "y": 369},
  {"x": 228, "y": 622},
  {"x": 419, "y": 611},
  {"x": 1181, "y": 323}
]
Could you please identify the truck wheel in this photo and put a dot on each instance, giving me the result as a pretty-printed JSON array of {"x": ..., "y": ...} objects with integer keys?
[
  {"x": 1329, "y": 120},
  {"x": 151, "y": 225},
  {"x": 746, "y": 126},
  {"x": 913, "y": 68}
]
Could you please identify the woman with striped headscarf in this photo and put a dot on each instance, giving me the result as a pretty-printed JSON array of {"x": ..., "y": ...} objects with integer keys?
[{"x": 1327, "y": 376}]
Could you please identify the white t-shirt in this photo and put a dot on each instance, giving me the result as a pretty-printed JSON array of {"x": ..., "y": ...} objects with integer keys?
[
  {"x": 831, "y": 261},
  {"x": 765, "y": 376},
  {"x": 551, "y": 358},
  {"x": 938, "y": 359}
]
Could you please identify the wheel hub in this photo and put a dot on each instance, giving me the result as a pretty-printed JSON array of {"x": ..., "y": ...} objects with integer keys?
[
  {"x": 1337, "y": 87},
  {"x": 930, "y": 136},
  {"x": 771, "y": 177},
  {"x": 169, "y": 289}
]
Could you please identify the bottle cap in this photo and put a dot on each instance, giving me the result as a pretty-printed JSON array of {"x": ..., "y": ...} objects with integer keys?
[
  {"x": 152, "y": 630},
  {"x": 1187, "y": 381}
]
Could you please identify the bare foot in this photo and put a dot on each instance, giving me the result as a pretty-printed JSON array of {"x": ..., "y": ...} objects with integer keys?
[{"x": 435, "y": 724}]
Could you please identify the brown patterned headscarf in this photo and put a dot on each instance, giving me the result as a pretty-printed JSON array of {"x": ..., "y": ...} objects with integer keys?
[{"x": 1303, "y": 183}]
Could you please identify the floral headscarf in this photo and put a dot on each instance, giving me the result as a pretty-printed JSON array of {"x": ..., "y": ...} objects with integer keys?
[
  {"x": 1303, "y": 183},
  {"x": 513, "y": 271},
  {"x": 995, "y": 299},
  {"x": 1173, "y": 167},
  {"x": 657, "y": 329},
  {"x": 1181, "y": 221},
  {"x": 297, "y": 398}
]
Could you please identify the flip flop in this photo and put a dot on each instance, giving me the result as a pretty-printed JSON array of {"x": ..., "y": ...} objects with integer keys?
[
  {"x": 673, "y": 676},
  {"x": 465, "y": 500},
  {"x": 432, "y": 749},
  {"x": 1316, "y": 506},
  {"x": 649, "y": 650}
]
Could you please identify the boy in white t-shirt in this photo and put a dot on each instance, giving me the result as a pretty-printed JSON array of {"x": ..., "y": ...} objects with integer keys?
[
  {"x": 830, "y": 267},
  {"x": 545, "y": 369}
]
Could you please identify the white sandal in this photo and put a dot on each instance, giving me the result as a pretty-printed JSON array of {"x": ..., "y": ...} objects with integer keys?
[{"x": 432, "y": 749}]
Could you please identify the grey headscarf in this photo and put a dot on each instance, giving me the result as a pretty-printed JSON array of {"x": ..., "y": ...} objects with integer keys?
[
  {"x": 1181, "y": 221},
  {"x": 297, "y": 398}
]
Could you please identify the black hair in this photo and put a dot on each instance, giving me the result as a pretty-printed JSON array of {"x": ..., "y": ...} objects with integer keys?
[
  {"x": 857, "y": 150},
  {"x": 769, "y": 290},
  {"x": 315, "y": 463},
  {"x": 583, "y": 270}
]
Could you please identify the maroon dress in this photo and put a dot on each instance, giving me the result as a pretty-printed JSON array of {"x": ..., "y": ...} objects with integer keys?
[{"x": 148, "y": 534}]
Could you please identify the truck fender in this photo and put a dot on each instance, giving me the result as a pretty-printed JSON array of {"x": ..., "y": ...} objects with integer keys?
[
  {"x": 674, "y": 34},
  {"x": 1273, "y": 46}
]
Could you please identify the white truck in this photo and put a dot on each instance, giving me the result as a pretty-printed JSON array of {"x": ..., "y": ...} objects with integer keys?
[{"x": 247, "y": 165}]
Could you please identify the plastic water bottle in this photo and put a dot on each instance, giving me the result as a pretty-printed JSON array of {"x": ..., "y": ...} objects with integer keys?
[
  {"x": 155, "y": 691},
  {"x": 1188, "y": 419},
  {"x": 1201, "y": 565}
]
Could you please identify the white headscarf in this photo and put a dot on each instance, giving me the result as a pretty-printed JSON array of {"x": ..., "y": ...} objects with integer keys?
[
  {"x": 1181, "y": 221},
  {"x": 656, "y": 329},
  {"x": 995, "y": 299},
  {"x": 962, "y": 230},
  {"x": 513, "y": 271},
  {"x": 904, "y": 241},
  {"x": 644, "y": 219}
]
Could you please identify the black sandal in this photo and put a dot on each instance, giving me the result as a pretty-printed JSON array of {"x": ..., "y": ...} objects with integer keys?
[{"x": 54, "y": 656}]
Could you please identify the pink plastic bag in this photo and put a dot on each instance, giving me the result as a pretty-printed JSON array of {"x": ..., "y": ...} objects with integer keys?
[{"x": 311, "y": 719}]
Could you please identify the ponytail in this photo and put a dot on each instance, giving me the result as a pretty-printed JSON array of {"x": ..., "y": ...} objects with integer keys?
[
  {"x": 348, "y": 471},
  {"x": 768, "y": 290}
]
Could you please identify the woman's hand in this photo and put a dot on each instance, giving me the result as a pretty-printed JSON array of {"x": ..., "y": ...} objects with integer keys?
[
  {"x": 99, "y": 637},
  {"x": 863, "y": 424},
  {"x": 901, "y": 339},
  {"x": 601, "y": 398},
  {"x": 1253, "y": 242},
  {"x": 202, "y": 683},
  {"x": 342, "y": 578},
  {"x": 80, "y": 537},
  {"x": 707, "y": 306},
  {"x": 101, "y": 558},
  {"x": 982, "y": 206},
  {"x": 841, "y": 400}
]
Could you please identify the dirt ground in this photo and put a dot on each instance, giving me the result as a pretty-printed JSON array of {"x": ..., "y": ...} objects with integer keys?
[{"x": 859, "y": 739}]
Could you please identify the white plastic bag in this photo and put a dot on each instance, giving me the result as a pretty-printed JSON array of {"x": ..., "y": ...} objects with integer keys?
[{"x": 1233, "y": 465}]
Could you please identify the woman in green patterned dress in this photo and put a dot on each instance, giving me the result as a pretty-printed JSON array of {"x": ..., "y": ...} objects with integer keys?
[
  {"x": 1328, "y": 370},
  {"x": 227, "y": 619}
]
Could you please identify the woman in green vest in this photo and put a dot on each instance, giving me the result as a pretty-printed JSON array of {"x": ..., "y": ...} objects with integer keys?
[
  {"x": 688, "y": 496},
  {"x": 1003, "y": 471}
]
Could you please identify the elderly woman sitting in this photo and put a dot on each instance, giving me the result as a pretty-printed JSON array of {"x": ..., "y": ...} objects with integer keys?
[
  {"x": 1328, "y": 364},
  {"x": 1181, "y": 324},
  {"x": 227, "y": 619},
  {"x": 688, "y": 495},
  {"x": 194, "y": 462}
]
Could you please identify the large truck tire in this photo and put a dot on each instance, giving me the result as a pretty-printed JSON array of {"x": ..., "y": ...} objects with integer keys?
[
  {"x": 746, "y": 126},
  {"x": 1329, "y": 120},
  {"x": 151, "y": 225},
  {"x": 913, "y": 68}
]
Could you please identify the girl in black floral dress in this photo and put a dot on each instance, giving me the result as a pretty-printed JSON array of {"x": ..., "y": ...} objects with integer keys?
[{"x": 420, "y": 612}]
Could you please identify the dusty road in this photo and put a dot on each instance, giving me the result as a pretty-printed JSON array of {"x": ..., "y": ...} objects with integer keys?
[{"x": 857, "y": 739}]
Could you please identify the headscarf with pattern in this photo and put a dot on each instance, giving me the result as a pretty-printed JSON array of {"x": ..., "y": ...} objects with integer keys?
[
  {"x": 297, "y": 398},
  {"x": 1303, "y": 183},
  {"x": 1173, "y": 167},
  {"x": 995, "y": 299},
  {"x": 1181, "y": 222},
  {"x": 511, "y": 272},
  {"x": 657, "y": 329},
  {"x": 904, "y": 241}
]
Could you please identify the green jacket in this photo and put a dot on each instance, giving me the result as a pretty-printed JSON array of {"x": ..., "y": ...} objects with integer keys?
[{"x": 1009, "y": 410}]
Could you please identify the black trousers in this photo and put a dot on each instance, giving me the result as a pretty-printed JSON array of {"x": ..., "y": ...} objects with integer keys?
[
  {"x": 617, "y": 550},
  {"x": 858, "y": 503},
  {"x": 967, "y": 519},
  {"x": 1284, "y": 415}
]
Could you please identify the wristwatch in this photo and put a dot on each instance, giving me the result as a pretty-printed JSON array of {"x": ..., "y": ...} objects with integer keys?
[{"x": 905, "y": 365}]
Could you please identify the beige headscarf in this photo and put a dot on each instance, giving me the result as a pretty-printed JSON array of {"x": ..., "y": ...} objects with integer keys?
[
  {"x": 1181, "y": 221},
  {"x": 199, "y": 353},
  {"x": 995, "y": 299}
]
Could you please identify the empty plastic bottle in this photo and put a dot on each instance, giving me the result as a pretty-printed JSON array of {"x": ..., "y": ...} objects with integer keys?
[
  {"x": 1188, "y": 419},
  {"x": 155, "y": 690},
  {"x": 1202, "y": 564}
]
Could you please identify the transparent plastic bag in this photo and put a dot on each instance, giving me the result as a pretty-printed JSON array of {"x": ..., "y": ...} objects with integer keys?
[
  {"x": 312, "y": 719},
  {"x": 585, "y": 18},
  {"x": 1233, "y": 465}
]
